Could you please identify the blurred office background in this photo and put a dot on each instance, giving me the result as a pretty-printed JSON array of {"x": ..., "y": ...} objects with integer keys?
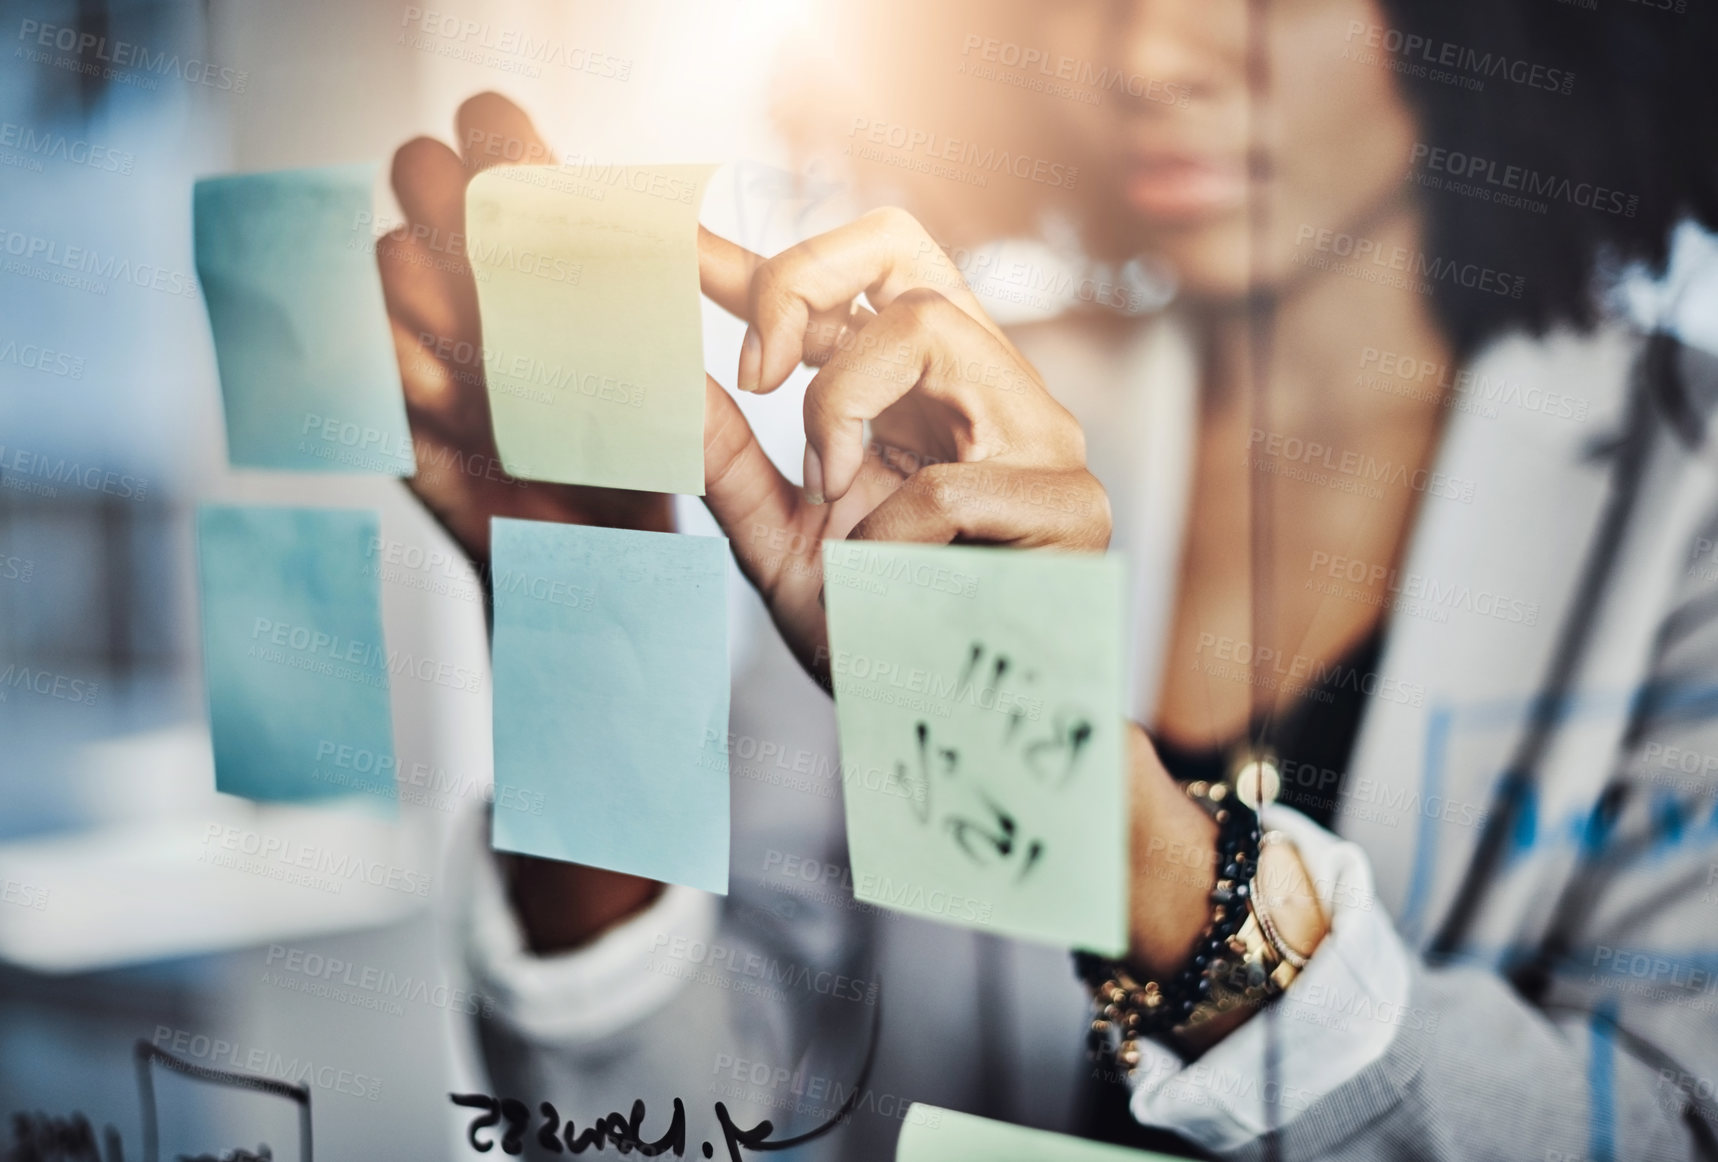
[{"x": 111, "y": 927}]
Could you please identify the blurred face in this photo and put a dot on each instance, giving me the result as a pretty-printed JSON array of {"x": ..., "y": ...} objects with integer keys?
[{"x": 1333, "y": 134}]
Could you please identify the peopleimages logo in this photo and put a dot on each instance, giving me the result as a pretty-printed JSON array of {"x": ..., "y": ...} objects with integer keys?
[
  {"x": 253, "y": 851},
  {"x": 1399, "y": 259},
  {"x": 1437, "y": 377},
  {"x": 23, "y": 895},
  {"x": 35, "y": 357},
  {"x": 321, "y": 652},
  {"x": 223, "y": 1054},
  {"x": 1320, "y": 675},
  {"x": 46, "y": 683},
  {"x": 1419, "y": 587},
  {"x": 850, "y": 555},
  {"x": 32, "y": 472},
  {"x": 363, "y": 986},
  {"x": 58, "y": 147},
  {"x": 124, "y": 55},
  {"x": 737, "y": 970},
  {"x": 1084, "y": 80},
  {"x": 82, "y": 260},
  {"x": 513, "y": 49},
  {"x": 928, "y": 147},
  {"x": 1522, "y": 180},
  {"x": 1426, "y": 56},
  {"x": 1266, "y": 450}
]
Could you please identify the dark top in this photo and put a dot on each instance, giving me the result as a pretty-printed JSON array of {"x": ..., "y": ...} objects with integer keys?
[{"x": 1313, "y": 742}]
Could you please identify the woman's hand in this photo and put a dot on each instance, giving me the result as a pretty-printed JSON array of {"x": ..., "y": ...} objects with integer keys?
[
  {"x": 432, "y": 306},
  {"x": 969, "y": 445}
]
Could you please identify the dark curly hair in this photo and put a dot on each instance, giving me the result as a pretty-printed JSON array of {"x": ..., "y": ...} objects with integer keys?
[{"x": 1635, "y": 138}]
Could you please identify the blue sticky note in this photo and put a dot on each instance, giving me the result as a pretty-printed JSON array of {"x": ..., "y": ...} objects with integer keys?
[
  {"x": 293, "y": 657},
  {"x": 611, "y": 699},
  {"x": 309, "y": 378}
]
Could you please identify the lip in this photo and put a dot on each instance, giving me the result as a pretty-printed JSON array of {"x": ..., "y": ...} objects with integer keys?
[{"x": 1183, "y": 187}]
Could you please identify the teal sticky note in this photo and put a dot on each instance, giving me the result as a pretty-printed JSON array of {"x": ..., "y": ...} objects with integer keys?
[
  {"x": 930, "y": 1134},
  {"x": 293, "y": 656},
  {"x": 979, "y": 695},
  {"x": 309, "y": 379},
  {"x": 611, "y": 699}
]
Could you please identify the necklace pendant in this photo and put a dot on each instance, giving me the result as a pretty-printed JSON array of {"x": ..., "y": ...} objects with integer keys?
[{"x": 1256, "y": 778}]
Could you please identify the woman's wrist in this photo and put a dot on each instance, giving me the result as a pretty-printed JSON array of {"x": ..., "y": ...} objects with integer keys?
[
  {"x": 1174, "y": 871},
  {"x": 1174, "y": 864},
  {"x": 563, "y": 906},
  {"x": 1283, "y": 891}
]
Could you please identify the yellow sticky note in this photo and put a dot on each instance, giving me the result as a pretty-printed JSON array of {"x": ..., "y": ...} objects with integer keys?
[{"x": 587, "y": 281}]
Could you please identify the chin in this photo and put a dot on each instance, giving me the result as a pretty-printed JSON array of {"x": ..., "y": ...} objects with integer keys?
[{"x": 1212, "y": 265}]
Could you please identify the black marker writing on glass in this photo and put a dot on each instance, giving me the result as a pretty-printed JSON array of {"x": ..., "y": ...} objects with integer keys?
[{"x": 625, "y": 1133}]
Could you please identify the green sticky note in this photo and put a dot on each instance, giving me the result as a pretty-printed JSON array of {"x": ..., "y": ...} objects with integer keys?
[
  {"x": 979, "y": 695},
  {"x": 931, "y": 1134},
  {"x": 309, "y": 380},
  {"x": 587, "y": 281}
]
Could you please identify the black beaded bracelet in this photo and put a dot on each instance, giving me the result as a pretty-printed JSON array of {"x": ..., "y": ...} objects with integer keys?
[
  {"x": 1135, "y": 1008},
  {"x": 1237, "y": 858}
]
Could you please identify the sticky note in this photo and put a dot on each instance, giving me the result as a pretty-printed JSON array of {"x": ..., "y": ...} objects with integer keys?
[
  {"x": 979, "y": 697},
  {"x": 587, "y": 280},
  {"x": 293, "y": 656},
  {"x": 309, "y": 378},
  {"x": 930, "y": 1134},
  {"x": 611, "y": 699}
]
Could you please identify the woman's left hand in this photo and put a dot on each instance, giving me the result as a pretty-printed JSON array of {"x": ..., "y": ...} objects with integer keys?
[
  {"x": 987, "y": 453},
  {"x": 969, "y": 445}
]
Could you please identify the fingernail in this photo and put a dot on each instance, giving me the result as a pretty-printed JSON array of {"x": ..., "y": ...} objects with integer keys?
[
  {"x": 813, "y": 476},
  {"x": 751, "y": 361}
]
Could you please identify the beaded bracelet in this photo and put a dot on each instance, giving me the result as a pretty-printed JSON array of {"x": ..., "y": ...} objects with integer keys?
[{"x": 1135, "y": 1008}]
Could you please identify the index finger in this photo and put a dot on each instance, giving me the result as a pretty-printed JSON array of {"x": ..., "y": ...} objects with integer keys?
[
  {"x": 881, "y": 255},
  {"x": 494, "y": 131},
  {"x": 725, "y": 272}
]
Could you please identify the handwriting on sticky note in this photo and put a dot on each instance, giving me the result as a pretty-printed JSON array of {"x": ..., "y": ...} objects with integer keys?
[
  {"x": 611, "y": 699},
  {"x": 930, "y": 1134},
  {"x": 981, "y": 735},
  {"x": 293, "y": 656},
  {"x": 993, "y": 838},
  {"x": 587, "y": 281},
  {"x": 309, "y": 380}
]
